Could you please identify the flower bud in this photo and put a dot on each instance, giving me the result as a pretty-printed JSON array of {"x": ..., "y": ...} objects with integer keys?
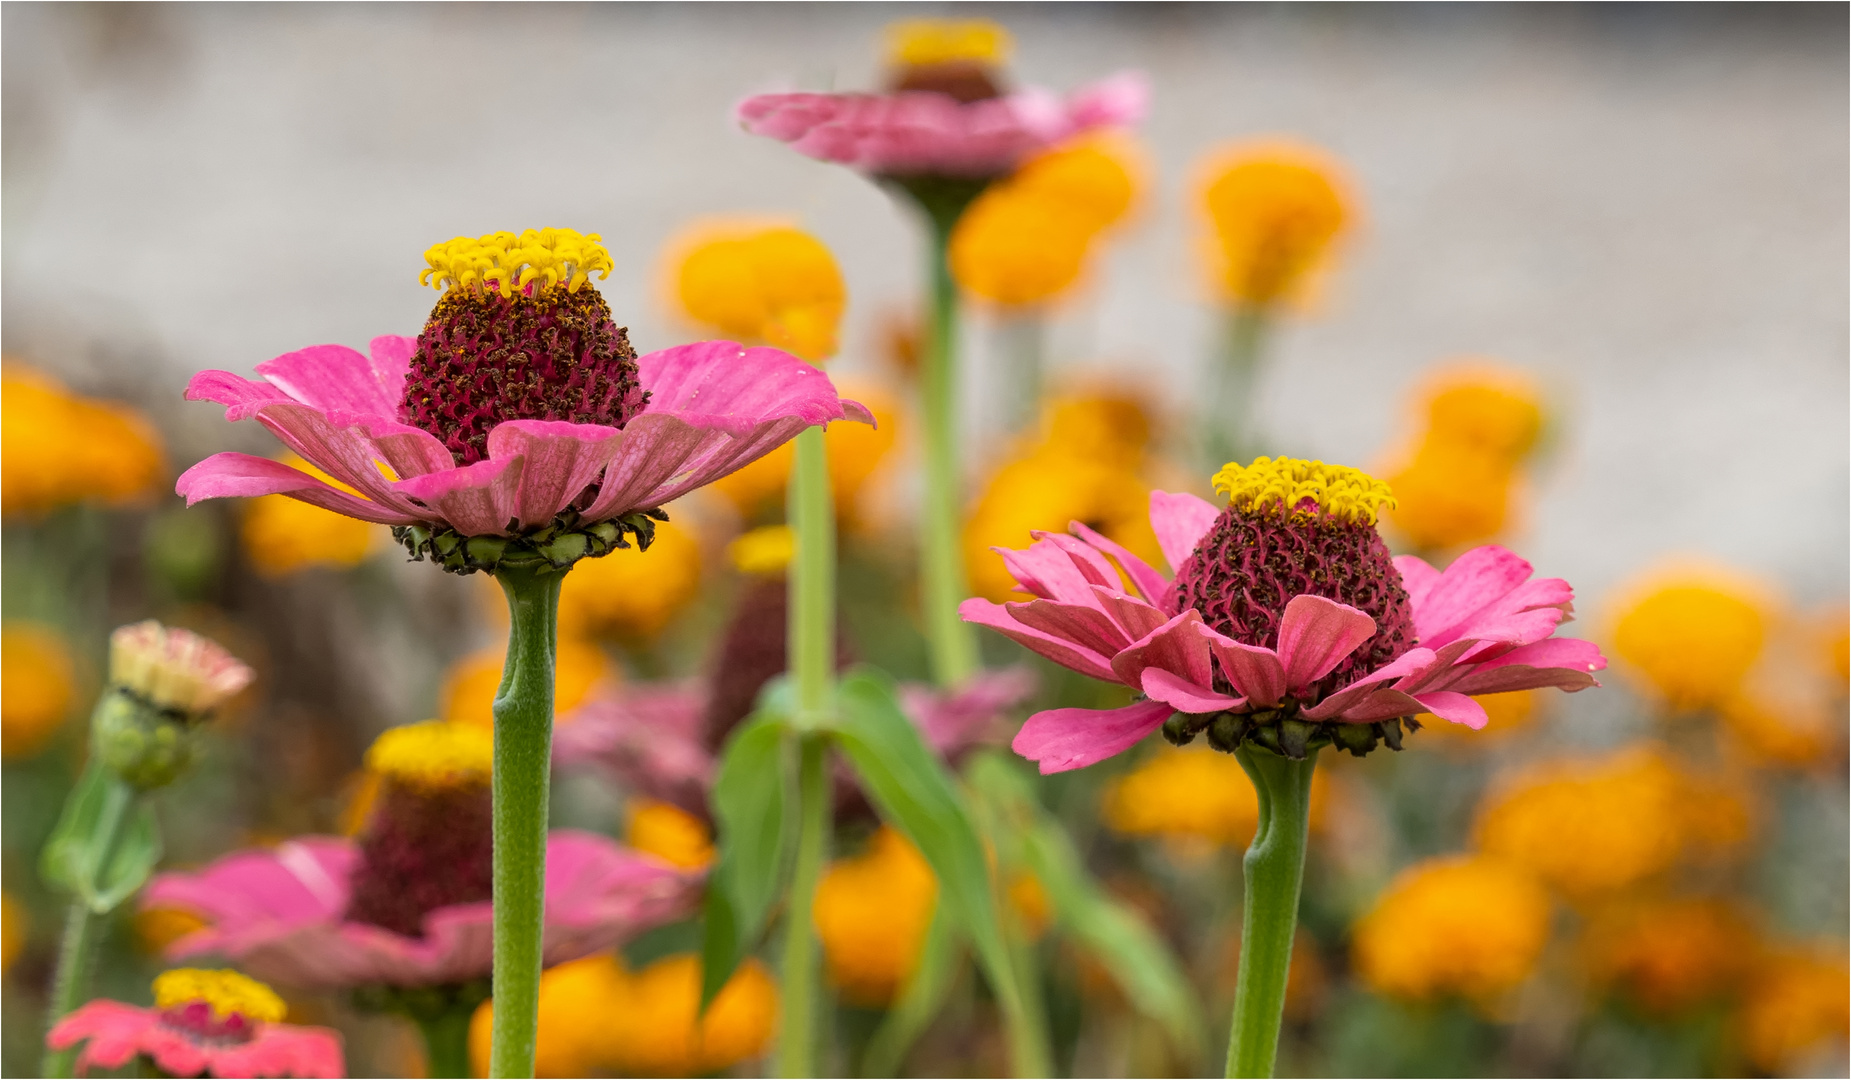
[{"x": 162, "y": 682}]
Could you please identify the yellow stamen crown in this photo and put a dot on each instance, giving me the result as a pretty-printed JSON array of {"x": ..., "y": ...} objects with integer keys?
[
  {"x": 925, "y": 42},
  {"x": 434, "y": 754},
  {"x": 508, "y": 262},
  {"x": 226, "y": 991},
  {"x": 1342, "y": 492}
]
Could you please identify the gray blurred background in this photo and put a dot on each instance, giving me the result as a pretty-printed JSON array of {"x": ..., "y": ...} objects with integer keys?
[{"x": 1646, "y": 206}]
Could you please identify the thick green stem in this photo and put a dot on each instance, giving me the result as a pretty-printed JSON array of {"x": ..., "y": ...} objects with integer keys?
[
  {"x": 446, "y": 1044},
  {"x": 812, "y": 582},
  {"x": 523, "y": 748},
  {"x": 798, "y": 993},
  {"x": 953, "y": 645},
  {"x": 1274, "y": 870},
  {"x": 83, "y": 928},
  {"x": 1229, "y": 429}
]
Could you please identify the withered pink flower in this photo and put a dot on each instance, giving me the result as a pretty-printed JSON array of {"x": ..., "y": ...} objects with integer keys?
[{"x": 1287, "y": 623}]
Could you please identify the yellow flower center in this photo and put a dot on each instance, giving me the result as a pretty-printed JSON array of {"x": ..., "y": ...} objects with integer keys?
[
  {"x": 1346, "y": 494},
  {"x": 926, "y": 42},
  {"x": 507, "y": 262},
  {"x": 434, "y": 754},
  {"x": 226, "y": 991}
]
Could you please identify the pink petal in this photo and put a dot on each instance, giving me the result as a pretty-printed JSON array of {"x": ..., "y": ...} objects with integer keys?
[
  {"x": 1133, "y": 616},
  {"x": 1564, "y": 663},
  {"x": 1176, "y": 647},
  {"x": 1418, "y": 577},
  {"x": 1063, "y": 739},
  {"x": 1066, "y": 653},
  {"x": 952, "y": 721},
  {"x": 723, "y": 385},
  {"x": 1180, "y": 520},
  {"x": 1253, "y": 670},
  {"x": 1183, "y": 695},
  {"x": 338, "y": 446},
  {"x": 1044, "y": 569},
  {"x": 1457, "y": 708},
  {"x": 391, "y": 355},
  {"x": 1475, "y": 579},
  {"x": 1084, "y": 626},
  {"x": 334, "y": 379},
  {"x": 240, "y": 475},
  {"x": 1118, "y": 100},
  {"x": 1530, "y": 612},
  {"x": 483, "y": 499},
  {"x": 1149, "y": 583},
  {"x": 562, "y": 460},
  {"x": 1415, "y": 661},
  {"x": 240, "y": 396},
  {"x": 1092, "y": 565},
  {"x": 1315, "y": 635}
]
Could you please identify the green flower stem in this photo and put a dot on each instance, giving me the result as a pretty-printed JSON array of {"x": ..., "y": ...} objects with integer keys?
[
  {"x": 1274, "y": 870},
  {"x": 523, "y": 748},
  {"x": 953, "y": 645},
  {"x": 84, "y": 926},
  {"x": 798, "y": 992},
  {"x": 1228, "y": 431},
  {"x": 812, "y": 582},
  {"x": 446, "y": 1043}
]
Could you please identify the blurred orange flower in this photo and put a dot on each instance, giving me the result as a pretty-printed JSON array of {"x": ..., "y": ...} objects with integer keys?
[
  {"x": 871, "y": 912},
  {"x": 855, "y": 452},
  {"x": 760, "y": 281},
  {"x": 1278, "y": 210},
  {"x": 1797, "y": 1009},
  {"x": 1669, "y": 955},
  {"x": 1690, "y": 632},
  {"x": 38, "y": 684},
  {"x": 283, "y": 535},
  {"x": 669, "y": 833},
  {"x": 1479, "y": 421},
  {"x": 632, "y": 594},
  {"x": 58, "y": 448},
  {"x": 470, "y": 686},
  {"x": 1461, "y": 924}
]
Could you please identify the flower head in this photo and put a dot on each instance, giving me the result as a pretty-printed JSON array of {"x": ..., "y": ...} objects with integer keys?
[
  {"x": 1287, "y": 623},
  {"x": 1191, "y": 795},
  {"x": 38, "y": 682},
  {"x": 519, "y": 426},
  {"x": 871, "y": 913},
  {"x": 1278, "y": 209},
  {"x": 1690, "y": 633},
  {"x": 1461, "y": 924},
  {"x": 174, "y": 670},
  {"x": 669, "y": 833},
  {"x": 1797, "y": 1009},
  {"x": 762, "y": 282},
  {"x": 203, "y": 1023},
  {"x": 283, "y": 535},
  {"x": 58, "y": 448},
  {"x": 957, "y": 57},
  {"x": 1670, "y": 955},
  {"x": 1044, "y": 490},
  {"x": 1479, "y": 422}
]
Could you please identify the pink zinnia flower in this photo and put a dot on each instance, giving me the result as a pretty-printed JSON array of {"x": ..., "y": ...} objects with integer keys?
[
  {"x": 204, "y": 1023},
  {"x": 945, "y": 114},
  {"x": 1287, "y": 623},
  {"x": 521, "y": 411}
]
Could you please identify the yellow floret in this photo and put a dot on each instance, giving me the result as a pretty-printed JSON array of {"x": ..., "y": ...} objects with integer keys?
[
  {"x": 508, "y": 262},
  {"x": 1344, "y": 493},
  {"x": 925, "y": 42},
  {"x": 435, "y": 753},
  {"x": 226, "y": 991}
]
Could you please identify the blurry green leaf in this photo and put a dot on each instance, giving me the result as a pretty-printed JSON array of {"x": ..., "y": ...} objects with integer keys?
[
  {"x": 68, "y": 860},
  {"x": 748, "y": 807},
  {"x": 131, "y": 859},
  {"x": 1115, "y": 934},
  {"x": 919, "y": 1001},
  {"x": 105, "y": 844},
  {"x": 914, "y": 792}
]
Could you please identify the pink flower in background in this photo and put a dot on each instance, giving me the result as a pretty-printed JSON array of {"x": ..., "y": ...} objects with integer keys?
[
  {"x": 1481, "y": 626},
  {"x": 193, "y": 1039},
  {"x": 926, "y": 133},
  {"x": 712, "y": 408},
  {"x": 280, "y": 913},
  {"x": 954, "y": 721},
  {"x": 648, "y": 738}
]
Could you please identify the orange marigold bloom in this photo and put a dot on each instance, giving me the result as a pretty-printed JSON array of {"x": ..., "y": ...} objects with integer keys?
[
  {"x": 871, "y": 912},
  {"x": 1690, "y": 633},
  {"x": 1795, "y": 1012},
  {"x": 632, "y": 594},
  {"x": 58, "y": 448},
  {"x": 38, "y": 683},
  {"x": 669, "y": 833},
  {"x": 1462, "y": 924},
  {"x": 1194, "y": 794},
  {"x": 1278, "y": 210},
  {"x": 1670, "y": 955},
  {"x": 761, "y": 282},
  {"x": 1479, "y": 420}
]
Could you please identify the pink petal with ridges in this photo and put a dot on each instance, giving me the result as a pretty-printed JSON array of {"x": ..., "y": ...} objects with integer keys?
[
  {"x": 1183, "y": 695},
  {"x": 1563, "y": 663},
  {"x": 1418, "y": 577},
  {"x": 1175, "y": 647},
  {"x": 1063, "y": 739},
  {"x": 477, "y": 500},
  {"x": 229, "y": 475},
  {"x": 1149, "y": 583},
  {"x": 240, "y": 396},
  {"x": 344, "y": 453},
  {"x": 562, "y": 461},
  {"x": 333, "y": 378},
  {"x": 1093, "y": 565},
  {"x": 1180, "y": 520},
  {"x": 1085, "y": 626},
  {"x": 391, "y": 355},
  {"x": 1315, "y": 635},
  {"x": 1474, "y": 580},
  {"x": 1133, "y": 616},
  {"x": 1066, "y": 653},
  {"x": 1454, "y": 707},
  {"x": 1252, "y": 670},
  {"x": 1412, "y": 662}
]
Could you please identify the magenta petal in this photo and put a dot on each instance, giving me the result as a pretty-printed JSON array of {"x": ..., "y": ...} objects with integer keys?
[
  {"x": 600, "y": 894},
  {"x": 230, "y": 475},
  {"x": 1118, "y": 100},
  {"x": 334, "y": 379},
  {"x": 1315, "y": 635},
  {"x": 1066, "y": 653},
  {"x": 477, "y": 500},
  {"x": 722, "y": 385},
  {"x": 1183, "y": 695},
  {"x": 337, "y": 446},
  {"x": 1253, "y": 670},
  {"x": 1180, "y": 520},
  {"x": 1150, "y": 584},
  {"x": 391, "y": 356},
  {"x": 1474, "y": 580},
  {"x": 1458, "y": 708},
  {"x": 1063, "y": 739},
  {"x": 1085, "y": 626},
  {"x": 240, "y": 396},
  {"x": 1413, "y": 662},
  {"x": 562, "y": 461},
  {"x": 1530, "y": 612},
  {"x": 1176, "y": 647},
  {"x": 1564, "y": 663},
  {"x": 1046, "y": 570},
  {"x": 1092, "y": 565},
  {"x": 1418, "y": 577},
  {"x": 1132, "y": 615}
]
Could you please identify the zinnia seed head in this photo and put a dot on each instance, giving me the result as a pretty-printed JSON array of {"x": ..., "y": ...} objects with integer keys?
[
  {"x": 1295, "y": 528},
  {"x": 518, "y": 335}
]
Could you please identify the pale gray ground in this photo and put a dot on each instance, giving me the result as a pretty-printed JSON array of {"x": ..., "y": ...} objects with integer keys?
[{"x": 1647, "y": 206}]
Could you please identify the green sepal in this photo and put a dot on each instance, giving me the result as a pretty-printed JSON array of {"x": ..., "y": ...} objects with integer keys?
[
  {"x": 557, "y": 544},
  {"x": 105, "y": 844},
  {"x": 755, "y": 837}
]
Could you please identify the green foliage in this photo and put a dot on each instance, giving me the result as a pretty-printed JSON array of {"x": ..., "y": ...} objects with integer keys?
[
  {"x": 754, "y": 838},
  {"x": 105, "y": 844}
]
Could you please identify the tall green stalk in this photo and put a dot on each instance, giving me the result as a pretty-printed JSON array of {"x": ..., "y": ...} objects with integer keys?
[
  {"x": 1274, "y": 870},
  {"x": 812, "y": 663},
  {"x": 446, "y": 1043},
  {"x": 1228, "y": 430},
  {"x": 953, "y": 646},
  {"x": 523, "y": 749},
  {"x": 84, "y": 926}
]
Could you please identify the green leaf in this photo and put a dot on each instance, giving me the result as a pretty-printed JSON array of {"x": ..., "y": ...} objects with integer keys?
[
  {"x": 68, "y": 861},
  {"x": 131, "y": 860},
  {"x": 919, "y": 1001},
  {"x": 1117, "y": 935},
  {"x": 94, "y": 853},
  {"x": 914, "y": 792},
  {"x": 748, "y": 801}
]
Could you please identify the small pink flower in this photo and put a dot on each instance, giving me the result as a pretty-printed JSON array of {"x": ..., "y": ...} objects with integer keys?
[
  {"x": 926, "y": 133},
  {"x": 190, "y": 1040},
  {"x": 1482, "y": 626},
  {"x": 280, "y": 913},
  {"x": 954, "y": 721}
]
